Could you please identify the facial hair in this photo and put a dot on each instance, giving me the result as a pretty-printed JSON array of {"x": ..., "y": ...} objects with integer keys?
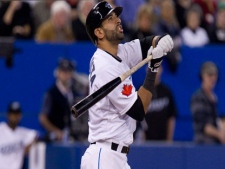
[
  {"x": 113, "y": 36},
  {"x": 13, "y": 124}
]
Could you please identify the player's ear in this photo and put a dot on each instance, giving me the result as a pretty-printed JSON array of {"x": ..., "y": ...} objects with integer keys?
[{"x": 99, "y": 33}]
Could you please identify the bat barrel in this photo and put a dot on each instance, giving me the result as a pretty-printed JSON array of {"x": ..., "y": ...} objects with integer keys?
[{"x": 74, "y": 112}]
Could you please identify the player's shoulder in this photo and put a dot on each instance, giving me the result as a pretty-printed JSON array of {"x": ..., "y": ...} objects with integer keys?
[
  {"x": 3, "y": 125},
  {"x": 24, "y": 130},
  {"x": 133, "y": 43},
  {"x": 129, "y": 49},
  {"x": 102, "y": 59}
]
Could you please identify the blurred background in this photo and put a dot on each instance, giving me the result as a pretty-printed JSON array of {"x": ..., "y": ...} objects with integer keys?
[{"x": 34, "y": 35}]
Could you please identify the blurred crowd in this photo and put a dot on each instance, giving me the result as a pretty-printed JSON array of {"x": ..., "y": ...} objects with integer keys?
[
  {"x": 64, "y": 21},
  {"x": 192, "y": 23}
]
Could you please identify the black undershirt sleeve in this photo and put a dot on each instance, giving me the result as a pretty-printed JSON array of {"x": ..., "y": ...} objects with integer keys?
[
  {"x": 137, "y": 110},
  {"x": 146, "y": 43}
]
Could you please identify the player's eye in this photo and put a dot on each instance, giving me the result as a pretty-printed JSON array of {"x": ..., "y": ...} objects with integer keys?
[{"x": 110, "y": 18}]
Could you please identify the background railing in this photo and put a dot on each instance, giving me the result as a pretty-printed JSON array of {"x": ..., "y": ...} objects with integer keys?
[{"x": 150, "y": 155}]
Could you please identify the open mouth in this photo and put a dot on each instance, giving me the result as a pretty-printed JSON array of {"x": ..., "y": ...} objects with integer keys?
[{"x": 120, "y": 28}]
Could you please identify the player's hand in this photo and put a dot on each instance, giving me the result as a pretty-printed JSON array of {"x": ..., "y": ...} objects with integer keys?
[
  {"x": 59, "y": 135},
  {"x": 166, "y": 43},
  {"x": 157, "y": 54}
]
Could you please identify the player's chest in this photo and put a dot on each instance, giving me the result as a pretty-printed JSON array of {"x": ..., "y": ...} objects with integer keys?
[{"x": 11, "y": 144}]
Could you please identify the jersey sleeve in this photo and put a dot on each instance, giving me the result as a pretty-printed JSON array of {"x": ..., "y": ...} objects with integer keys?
[
  {"x": 130, "y": 52},
  {"x": 134, "y": 51},
  {"x": 28, "y": 135}
]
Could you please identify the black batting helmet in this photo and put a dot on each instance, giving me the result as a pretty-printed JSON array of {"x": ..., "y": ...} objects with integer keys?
[{"x": 97, "y": 14}]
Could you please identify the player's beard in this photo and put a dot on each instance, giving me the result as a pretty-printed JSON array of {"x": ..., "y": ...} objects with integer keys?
[
  {"x": 13, "y": 124},
  {"x": 114, "y": 36}
]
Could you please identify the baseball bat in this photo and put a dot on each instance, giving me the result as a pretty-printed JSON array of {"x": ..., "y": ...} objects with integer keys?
[{"x": 82, "y": 106}]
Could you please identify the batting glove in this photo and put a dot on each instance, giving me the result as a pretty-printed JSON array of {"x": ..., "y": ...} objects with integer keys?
[
  {"x": 157, "y": 54},
  {"x": 166, "y": 43}
]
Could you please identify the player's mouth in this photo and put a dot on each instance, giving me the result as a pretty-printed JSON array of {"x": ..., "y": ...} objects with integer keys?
[{"x": 120, "y": 28}]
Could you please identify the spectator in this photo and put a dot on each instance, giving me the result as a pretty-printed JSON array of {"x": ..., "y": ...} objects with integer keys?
[
  {"x": 16, "y": 20},
  {"x": 15, "y": 141},
  {"x": 41, "y": 12},
  {"x": 209, "y": 9},
  {"x": 168, "y": 21},
  {"x": 78, "y": 24},
  {"x": 217, "y": 31},
  {"x": 128, "y": 17},
  {"x": 144, "y": 22},
  {"x": 55, "y": 114},
  {"x": 58, "y": 28},
  {"x": 204, "y": 108},
  {"x": 160, "y": 118},
  {"x": 155, "y": 4},
  {"x": 193, "y": 35},
  {"x": 168, "y": 24},
  {"x": 73, "y": 4},
  {"x": 181, "y": 7}
]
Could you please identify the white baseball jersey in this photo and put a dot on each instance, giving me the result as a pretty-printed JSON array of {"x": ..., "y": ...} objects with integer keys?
[
  {"x": 107, "y": 118},
  {"x": 12, "y": 145}
]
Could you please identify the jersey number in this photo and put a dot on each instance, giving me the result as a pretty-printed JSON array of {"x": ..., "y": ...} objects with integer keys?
[{"x": 92, "y": 69}]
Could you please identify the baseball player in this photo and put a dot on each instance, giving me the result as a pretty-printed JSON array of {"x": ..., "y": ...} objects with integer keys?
[
  {"x": 14, "y": 141},
  {"x": 112, "y": 120}
]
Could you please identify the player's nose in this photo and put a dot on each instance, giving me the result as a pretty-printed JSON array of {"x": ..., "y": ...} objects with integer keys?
[{"x": 118, "y": 21}]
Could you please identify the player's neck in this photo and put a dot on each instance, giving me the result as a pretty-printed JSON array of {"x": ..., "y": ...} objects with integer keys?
[
  {"x": 112, "y": 51},
  {"x": 13, "y": 127},
  {"x": 110, "y": 48}
]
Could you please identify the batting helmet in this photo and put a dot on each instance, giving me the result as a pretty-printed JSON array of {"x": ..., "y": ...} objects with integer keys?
[{"x": 96, "y": 16}]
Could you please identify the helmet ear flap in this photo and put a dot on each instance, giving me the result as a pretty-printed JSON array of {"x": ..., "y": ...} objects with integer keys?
[{"x": 91, "y": 34}]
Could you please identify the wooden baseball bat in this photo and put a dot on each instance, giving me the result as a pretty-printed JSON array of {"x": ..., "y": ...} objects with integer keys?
[{"x": 82, "y": 106}]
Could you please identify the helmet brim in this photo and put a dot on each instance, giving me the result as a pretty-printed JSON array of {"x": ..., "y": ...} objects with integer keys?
[{"x": 118, "y": 10}]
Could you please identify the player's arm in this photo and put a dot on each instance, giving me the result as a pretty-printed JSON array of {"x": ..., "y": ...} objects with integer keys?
[
  {"x": 29, "y": 139},
  {"x": 163, "y": 44},
  {"x": 28, "y": 147}
]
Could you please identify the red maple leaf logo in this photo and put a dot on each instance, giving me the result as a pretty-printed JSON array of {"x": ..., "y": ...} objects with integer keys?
[{"x": 127, "y": 89}]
